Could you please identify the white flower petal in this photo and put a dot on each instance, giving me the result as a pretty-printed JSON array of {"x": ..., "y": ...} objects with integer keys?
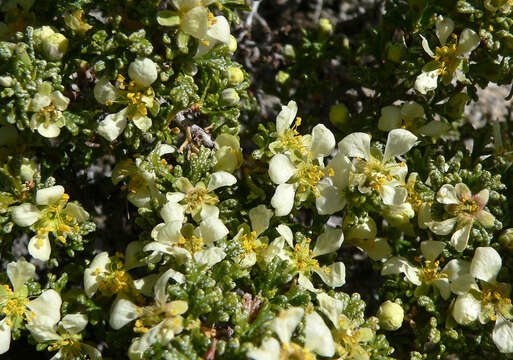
[
  {"x": 77, "y": 212},
  {"x": 397, "y": 264},
  {"x": 503, "y": 335},
  {"x": 195, "y": 22},
  {"x": 212, "y": 229},
  {"x": 330, "y": 198},
  {"x": 466, "y": 309},
  {"x": 281, "y": 169},
  {"x": 444, "y": 287},
  {"x": 460, "y": 237},
  {"x": 378, "y": 249},
  {"x": 305, "y": 283},
  {"x": 431, "y": 249},
  {"x": 485, "y": 264},
  {"x": 286, "y": 234},
  {"x": 25, "y": 214},
  {"x": 444, "y": 28},
  {"x": 283, "y": 199},
  {"x": 318, "y": 336},
  {"x": 425, "y": 46},
  {"x": 260, "y": 217},
  {"x": 46, "y": 309},
  {"x": 286, "y": 117},
  {"x": 160, "y": 287},
  {"x": 19, "y": 272},
  {"x": 170, "y": 232},
  {"x": 393, "y": 195},
  {"x": 469, "y": 41},
  {"x": 333, "y": 275},
  {"x": 269, "y": 350},
  {"x": 442, "y": 227},
  {"x": 323, "y": 141},
  {"x": 39, "y": 247},
  {"x": 485, "y": 218},
  {"x": 286, "y": 322},
  {"x": 172, "y": 212},
  {"x": 142, "y": 122},
  {"x": 329, "y": 241},
  {"x": 209, "y": 257},
  {"x": 49, "y": 195},
  {"x": 48, "y": 129},
  {"x": 219, "y": 31},
  {"x": 220, "y": 179},
  {"x": 97, "y": 267},
  {"x": 426, "y": 81},
  {"x": 5, "y": 336},
  {"x": 356, "y": 145},
  {"x": 399, "y": 142},
  {"x": 122, "y": 312},
  {"x": 447, "y": 195},
  {"x": 73, "y": 323},
  {"x": 331, "y": 307},
  {"x": 113, "y": 125},
  {"x": 462, "y": 191}
]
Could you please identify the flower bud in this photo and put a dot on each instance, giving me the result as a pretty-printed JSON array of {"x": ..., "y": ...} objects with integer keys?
[
  {"x": 143, "y": 72},
  {"x": 104, "y": 92},
  {"x": 282, "y": 77},
  {"x": 288, "y": 51},
  {"x": 28, "y": 169},
  {"x": 6, "y": 81},
  {"x": 235, "y": 76},
  {"x": 339, "y": 115},
  {"x": 53, "y": 45},
  {"x": 390, "y": 315},
  {"x": 361, "y": 229},
  {"x": 232, "y": 44},
  {"x": 230, "y": 96},
  {"x": 326, "y": 26},
  {"x": 398, "y": 215},
  {"x": 506, "y": 238}
]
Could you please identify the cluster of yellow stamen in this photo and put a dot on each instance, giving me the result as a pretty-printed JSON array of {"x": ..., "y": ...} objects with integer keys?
[
  {"x": 349, "y": 337},
  {"x": 250, "y": 243},
  {"x": 136, "y": 182},
  {"x": 497, "y": 298},
  {"x": 55, "y": 220},
  {"x": 110, "y": 283},
  {"x": 139, "y": 327},
  {"x": 15, "y": 306},
  {"x": 413, "y": 195},
  {"x": 430, "y": 271},
  {"x": 303, "y": 257},
  {"x": 466, "y": 207},
  {"x": 196, "y": 198},
  {"x": 291, "y": 140},
  {"x": 447, "y": 57},
  {"x": 309, "y": 176},
  {"x": 193, "y": 244},
  {"x": 296, "y": 352},
  {"x": 70, "y": 347}
]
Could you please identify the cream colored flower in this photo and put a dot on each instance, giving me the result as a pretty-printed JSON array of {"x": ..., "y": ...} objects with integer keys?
[
  {"x": 194, "y": 19},
  {"x": 13, "y": 302},
  {"x": 410, "y": 116},
  {"x": 379, "y": 172},
  {"x": 350, "y": 336},
  {"x": 47, "y": 107},
  {"x": 303, "y": 259},
  {"x": 448, "y": 57},
  {"x": 63, "y": 334},
  {"x": 53, "y": 214},
  {"x": 158, "y": 323},
  {"x": 464, "y": 208},
  {"x": 318, "y": 339}
]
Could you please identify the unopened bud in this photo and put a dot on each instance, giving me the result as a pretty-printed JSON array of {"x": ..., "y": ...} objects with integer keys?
[
  {"x": 339, "y": 115},
  {"x": 235, "y": 76},
  {"x": 230, "y": 96},
  {"x": 390, "y": 315}
]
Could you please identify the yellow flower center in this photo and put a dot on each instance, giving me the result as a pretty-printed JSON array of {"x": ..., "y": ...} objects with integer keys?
[
  {"x": 291, "y": 139},
  {"x": 430, "y": 272},
  {"x": 193, "y": 245},
  {"x": 294, "y": 351},
  {"x": 447, "y": 57},
  {"x": 309, "y": 176},
  {"x": 303, "y": 257},
  {"x": 114, "y": 282},
  {"x": 466, "y": 207}
]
